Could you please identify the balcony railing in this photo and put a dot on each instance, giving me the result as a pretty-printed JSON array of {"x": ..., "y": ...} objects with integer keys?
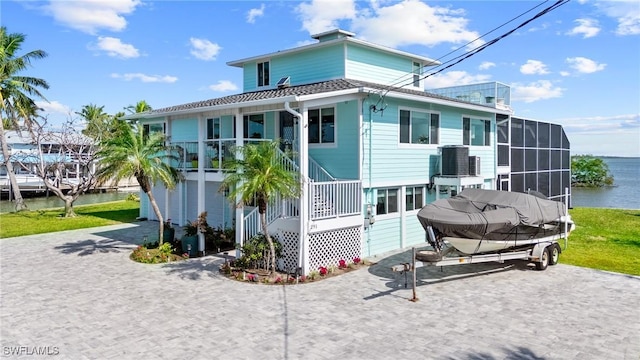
[
  {"x": 217, "y": 153},
  {"x": 335, "y": 199}
]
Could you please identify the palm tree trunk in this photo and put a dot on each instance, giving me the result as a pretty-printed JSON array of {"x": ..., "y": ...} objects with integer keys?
[
  {"x": 156, "y": 210},
  {"x": 19, "y": 201},
  {"x": 272, "y": 249}
]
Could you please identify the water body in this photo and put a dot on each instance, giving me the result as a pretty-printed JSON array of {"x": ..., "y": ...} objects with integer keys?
[
  {"x": 38, "y": 203},
  {"x": 625, "y": 194}
]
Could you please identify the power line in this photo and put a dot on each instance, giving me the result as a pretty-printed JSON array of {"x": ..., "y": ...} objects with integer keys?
[{"x": 472, "y": 52}]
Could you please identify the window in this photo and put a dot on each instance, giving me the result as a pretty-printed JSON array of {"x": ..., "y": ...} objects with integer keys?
[
  {"x": 418, "y": 127},
  {"x": 416, "y": 74},
  {"x": 322, "y": 126},
  {"x": 263, "y": 73},
  {"x": 387, "y": 201},
  {"x": 476, "y": 132},
  {"x": 413, "y": 197},
  {"x": 213, "y": 128},
  {"x": 254, "y": 126},
  {"x": 152, "y": 128}
]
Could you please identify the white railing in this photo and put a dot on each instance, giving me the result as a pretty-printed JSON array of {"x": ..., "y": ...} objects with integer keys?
[
  {"x": 335, "y": 199},
  {"x": 252, "y": 225},
  {"x": 318, "y": 173}
]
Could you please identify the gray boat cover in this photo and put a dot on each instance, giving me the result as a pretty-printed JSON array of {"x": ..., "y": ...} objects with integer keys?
[{"x": 474, "y": 213}]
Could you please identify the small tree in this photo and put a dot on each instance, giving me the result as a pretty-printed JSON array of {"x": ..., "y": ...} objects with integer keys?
[
  {"x": 58, "y": 154},
  {"x": 259, "y": 174},
  {"x": 589, "y": 171},
  {"x": 145, "y": 157}
]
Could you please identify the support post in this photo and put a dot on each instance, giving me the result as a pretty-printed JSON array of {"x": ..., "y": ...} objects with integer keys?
[{"x": 413, "y": 273}]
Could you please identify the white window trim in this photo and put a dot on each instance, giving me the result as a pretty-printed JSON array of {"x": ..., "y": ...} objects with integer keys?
[
  {"x": 321, "y": 145},
  {"x": 475, "y": 117},
  {"x": 258, "y": 74},
  {"x": 404, "y": 198},
  {"x": 419, "y": 146},
  {"x": 393, "y": 215}
]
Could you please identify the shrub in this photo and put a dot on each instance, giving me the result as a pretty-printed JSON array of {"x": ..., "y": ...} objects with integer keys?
[{"x": 255, "y": 253}]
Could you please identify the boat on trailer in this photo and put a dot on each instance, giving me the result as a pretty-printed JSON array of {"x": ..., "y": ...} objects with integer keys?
[{"x": 478, "y": 221}]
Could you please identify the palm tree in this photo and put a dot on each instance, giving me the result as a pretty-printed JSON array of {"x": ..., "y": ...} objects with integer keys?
[
  {"x": 146, "y": 157},
  {"x": 140, "y": 107},
  {"x": 15, "y": 96},
  {"x": 98, "y": 122},
  {"x": 260, "y": 174}
]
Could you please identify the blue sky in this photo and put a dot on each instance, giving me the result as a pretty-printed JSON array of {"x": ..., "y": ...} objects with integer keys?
[{"x": 578, "y": 65}]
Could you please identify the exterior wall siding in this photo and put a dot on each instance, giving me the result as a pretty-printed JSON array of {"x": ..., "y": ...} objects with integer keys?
[
  {"x": 370, "y": 65},
  {"x": 303, "y": 68},
  {"x": 382, "y": 236},
  {"x": 341, "y": 160},
  {"x": 414, "y": 233}
]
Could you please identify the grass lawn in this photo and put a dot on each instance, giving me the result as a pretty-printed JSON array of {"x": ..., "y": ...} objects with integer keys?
[
  {"x": 605, "y": 239},
  {"x": 45, "y": 221}
]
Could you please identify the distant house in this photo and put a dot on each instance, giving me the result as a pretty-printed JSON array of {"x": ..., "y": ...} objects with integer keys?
[{"x": 373, "y": 147}]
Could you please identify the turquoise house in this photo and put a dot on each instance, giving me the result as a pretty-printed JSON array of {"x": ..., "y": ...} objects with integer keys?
[{"x": 372, "y": 146}]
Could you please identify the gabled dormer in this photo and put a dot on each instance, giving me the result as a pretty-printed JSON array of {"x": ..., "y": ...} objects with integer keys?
[{"x": 337, "y": 54}]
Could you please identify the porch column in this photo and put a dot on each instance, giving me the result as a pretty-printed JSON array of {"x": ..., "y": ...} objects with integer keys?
[
  {"x": 167, "y": 193},
  {"x": 239, "y": 131},
  {"x": 303, "y": 155},
  {"x": 201, "y": 183}
]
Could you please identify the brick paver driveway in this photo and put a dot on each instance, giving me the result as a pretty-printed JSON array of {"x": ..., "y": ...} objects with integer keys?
[{"x": 77, "y": 295}]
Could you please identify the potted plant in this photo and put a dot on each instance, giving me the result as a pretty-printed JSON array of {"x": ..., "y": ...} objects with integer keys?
[
  {"x": 194, "y": 161},
  {"x": 190, "y": 238},
  {"x": 169, "y": 232},
  {"x": 215, "y": 163}
]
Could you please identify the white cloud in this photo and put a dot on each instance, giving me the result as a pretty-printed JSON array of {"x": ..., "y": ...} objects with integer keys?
[
  {"x": 255, "y": 13},
  {"x": 145, "y": 78},
  {"x": 586, "y": 27},
  {"x": 116, "y": 48},
  {"x": 584, "y": 65},
  {"x": 204, "y": 49},
  {"x": 453, "y": 78},
  {"x": 626, "y": 13},
  {"x": 54, "y": 107},
  {"x": 486, "y": 65},
  {"x": 223, "y": 86},
  {"x": 413, "y": 22},
  {"x": 322, "y": 15},
  {"x": 534, "y": 67},
  {"x": 92, "y": 15},
  {"x": 539, "y": 90},
  {"x": 602, "y": 124}
]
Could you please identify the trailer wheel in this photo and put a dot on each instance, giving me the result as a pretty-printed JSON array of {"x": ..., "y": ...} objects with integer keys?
[
  {"x": 554, "y": 251},
  {"x": 544, "y": 259}
]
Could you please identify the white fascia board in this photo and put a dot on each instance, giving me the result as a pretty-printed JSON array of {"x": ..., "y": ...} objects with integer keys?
[
  {"x": 332, "y": 97},
  {"x": 243, "y": 104}
]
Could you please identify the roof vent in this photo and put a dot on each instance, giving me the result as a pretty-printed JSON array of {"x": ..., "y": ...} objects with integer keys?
[{"x": 284, "y": 82}]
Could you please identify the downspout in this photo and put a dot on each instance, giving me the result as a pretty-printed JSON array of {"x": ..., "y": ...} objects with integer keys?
[{"x": 302, "y": 228}]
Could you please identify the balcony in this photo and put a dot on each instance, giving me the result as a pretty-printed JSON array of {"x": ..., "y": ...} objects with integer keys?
[
  {"x": 493, "y": 94},
  {"x": 217, "y": 153}
]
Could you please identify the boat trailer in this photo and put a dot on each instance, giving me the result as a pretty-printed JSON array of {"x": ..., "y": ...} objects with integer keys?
[{"x": 543, "y": 253}]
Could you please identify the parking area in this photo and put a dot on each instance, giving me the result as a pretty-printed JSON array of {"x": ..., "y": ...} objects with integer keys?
[{"x": 77, "y": 295}]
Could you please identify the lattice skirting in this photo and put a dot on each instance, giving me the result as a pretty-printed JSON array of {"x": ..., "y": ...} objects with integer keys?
[
  {"x": 329, "y": 247},
  {"x": 325, "y": 248},
  {"x": 290, "y": 251}
]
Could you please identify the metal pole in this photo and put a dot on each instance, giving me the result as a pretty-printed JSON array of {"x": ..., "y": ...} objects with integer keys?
[
  {"x": 566, "y": 217},
  {"x": 413, "y": 270}
]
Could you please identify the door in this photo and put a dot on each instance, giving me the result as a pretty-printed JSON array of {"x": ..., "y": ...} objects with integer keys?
[{"x": 287, "y": 132}]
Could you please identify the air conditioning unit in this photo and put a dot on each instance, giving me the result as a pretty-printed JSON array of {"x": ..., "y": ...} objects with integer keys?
[
  {"x": 455, "y": 160},
  {"x": 474, "y": 165}
]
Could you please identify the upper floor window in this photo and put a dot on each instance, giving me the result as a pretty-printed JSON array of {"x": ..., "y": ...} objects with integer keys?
[
  {"x": 418, "y": 127},
  {"x": 476, "y": 132},
  {"x": 213, "y": 128},
  {"x": 254, "y": 126},
  {"x": 416, "y": 74},
  {"x": 387, "y": 201},
  {"x": 414, "y": 197},
  {"x": 322, "y": 126},
  {"x": 153, "y": 128},
  {"x": 263, "y": 73}
]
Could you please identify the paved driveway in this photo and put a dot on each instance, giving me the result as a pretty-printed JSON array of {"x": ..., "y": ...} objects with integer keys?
[{"x": 76, "y": 294}]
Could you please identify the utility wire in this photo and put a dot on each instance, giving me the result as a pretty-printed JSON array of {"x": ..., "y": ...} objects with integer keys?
[{"x": 480, "y": 48}]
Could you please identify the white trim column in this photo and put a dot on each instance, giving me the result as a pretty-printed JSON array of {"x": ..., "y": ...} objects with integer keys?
[
  {"x": 201, "y": 179},
  {"x": 239, "y": 130},
  {"x": 303, "y": 155}
]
